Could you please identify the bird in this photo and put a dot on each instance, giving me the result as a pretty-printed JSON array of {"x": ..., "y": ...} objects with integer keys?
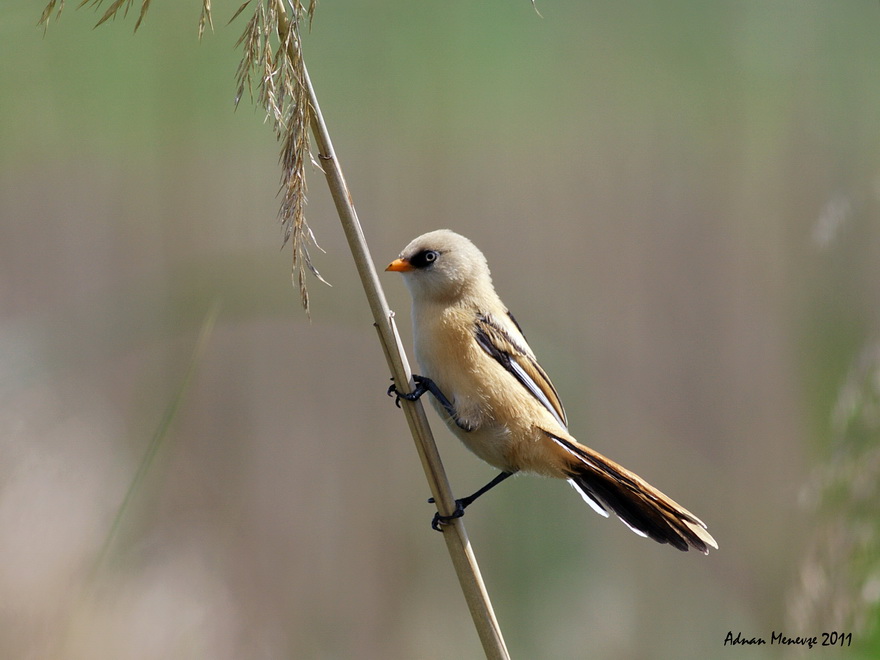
[{"x": 493, "y": 394}]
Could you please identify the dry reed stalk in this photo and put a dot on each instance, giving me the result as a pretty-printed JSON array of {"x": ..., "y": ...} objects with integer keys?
[
  {"x": 286, "y": 93},
  {"x": 457, "y": 543}
]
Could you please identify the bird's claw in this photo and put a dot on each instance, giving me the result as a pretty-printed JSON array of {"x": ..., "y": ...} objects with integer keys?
[
  {"x": 392, "y": 391},
  {"x": 409, "y": 396},
  {"x": 438, "y": 521}
]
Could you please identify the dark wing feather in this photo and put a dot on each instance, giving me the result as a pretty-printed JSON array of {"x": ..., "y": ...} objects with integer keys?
[{"x": 517, "y": 359}]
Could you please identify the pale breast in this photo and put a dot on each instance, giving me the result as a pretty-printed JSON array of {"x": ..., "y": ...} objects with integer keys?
[{"x": 486, "y": 397}]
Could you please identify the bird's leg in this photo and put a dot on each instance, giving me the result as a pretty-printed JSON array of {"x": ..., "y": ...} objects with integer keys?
[
  {"x": 425, "y": 384},
  {"x": 464, "y": 502}
]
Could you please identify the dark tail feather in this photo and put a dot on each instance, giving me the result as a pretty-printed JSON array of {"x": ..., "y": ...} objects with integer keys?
[{"x": 607, "y": 486}]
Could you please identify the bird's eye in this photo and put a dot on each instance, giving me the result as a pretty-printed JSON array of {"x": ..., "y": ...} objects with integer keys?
[{"x": 424, "y": 258}]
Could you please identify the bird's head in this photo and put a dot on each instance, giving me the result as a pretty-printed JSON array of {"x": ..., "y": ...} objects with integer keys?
[{"x": 442, "y": 266}]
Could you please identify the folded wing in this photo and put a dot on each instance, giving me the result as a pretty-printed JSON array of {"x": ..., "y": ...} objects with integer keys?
[{"x": 509, "y": 348}]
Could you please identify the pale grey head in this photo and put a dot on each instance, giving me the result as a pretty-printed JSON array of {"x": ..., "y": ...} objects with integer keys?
[{"x": 442, "y": 266}]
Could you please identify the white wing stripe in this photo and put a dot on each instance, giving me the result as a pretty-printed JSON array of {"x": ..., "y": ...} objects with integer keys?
[
  {"x": 532, "y": 387},
  {"x": 589, "y": 500}
]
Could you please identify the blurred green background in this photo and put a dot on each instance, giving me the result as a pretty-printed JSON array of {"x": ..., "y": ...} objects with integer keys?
[{"x": 679, "y": 201}]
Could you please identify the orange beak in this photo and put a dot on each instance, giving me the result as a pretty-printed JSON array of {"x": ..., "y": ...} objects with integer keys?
[{"x": 400, "y": 266}]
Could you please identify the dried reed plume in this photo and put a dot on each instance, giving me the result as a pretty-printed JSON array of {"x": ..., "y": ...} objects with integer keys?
[
  {"x": 272, "y": 53},
  {"x": 272, "y": 63}
]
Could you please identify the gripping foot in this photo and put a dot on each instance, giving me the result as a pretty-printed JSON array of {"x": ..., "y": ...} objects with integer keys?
[
  {"x": 460, "y": 505},
  {"x": 425, "y": 384},
  {"x": 438, "y": 520},
  {"x": 415, "y": 395}
]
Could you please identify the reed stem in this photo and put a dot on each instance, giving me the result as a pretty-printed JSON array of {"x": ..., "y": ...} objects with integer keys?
[{"x": 457, "y": 543}]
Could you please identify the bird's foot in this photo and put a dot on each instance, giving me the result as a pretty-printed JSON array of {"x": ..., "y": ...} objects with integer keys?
[
  {"x": 438, "y": 520},
  {"x": 415, "y": 395}
]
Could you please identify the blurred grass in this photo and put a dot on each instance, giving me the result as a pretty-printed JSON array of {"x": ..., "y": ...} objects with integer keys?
[
  {"x": 648, "y": 182},
  {"x": 157, "y": 441},
  {"x": 839, "y": 581}
]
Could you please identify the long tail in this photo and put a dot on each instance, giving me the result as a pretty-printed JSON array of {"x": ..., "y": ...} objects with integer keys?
[{"x": 605, "y": 486}]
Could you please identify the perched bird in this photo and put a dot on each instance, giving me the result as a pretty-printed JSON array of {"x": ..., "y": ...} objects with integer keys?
[{"x": 492, "y": 393}]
